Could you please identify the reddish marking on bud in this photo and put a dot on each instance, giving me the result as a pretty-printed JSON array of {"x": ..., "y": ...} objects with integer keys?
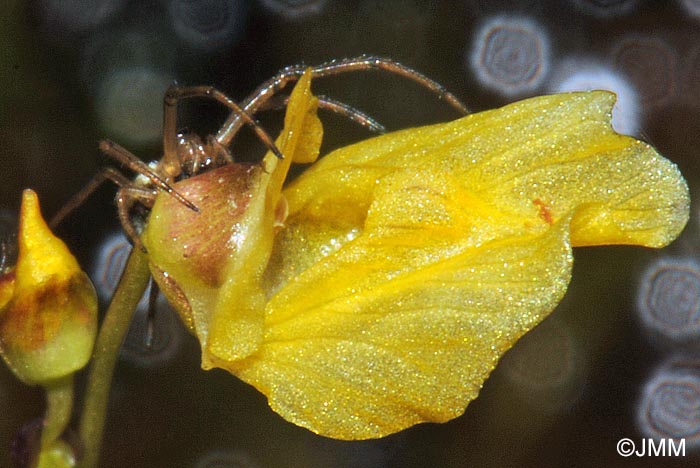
[
  {"x": 24, "y": 323},
  {"x": 7, "y": 287},
  {"x": 7, "y": 278},
  {"x": 205, "y": 239},
  {"x": 174, "y": 294},
  {"x": 545, "y": 213},
  {"x": 34, "y": 319}
]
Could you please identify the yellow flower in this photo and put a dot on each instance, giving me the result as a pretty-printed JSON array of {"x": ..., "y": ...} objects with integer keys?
[
  {"x": 48, "y": 307},
  {"x": 407, "y": 263}
]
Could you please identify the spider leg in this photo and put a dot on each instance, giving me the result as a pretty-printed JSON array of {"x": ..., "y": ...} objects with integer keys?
[
  {"x": 351, "y": 113},
  {"x": 290, "y": 74},
  {"x": 122, "y": 155},
  {"x": 330, "y": 104},
  {"x": 127, "y": 196},
  {"x": 220, "y": 153},
  {"x": 176, "y": 93},
  {"x": 7, "y": 255},
  {"x": 381, "y": 63},
  {"x": 106, "y": 173},
  {"x": 151, "y": 314}
]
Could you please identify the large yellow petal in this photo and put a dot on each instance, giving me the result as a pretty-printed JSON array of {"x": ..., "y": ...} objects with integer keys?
[
  {"x": 384, "y": 335},
  {"x": 412, "y": 261},
  {"x": 554, "y": 153}
]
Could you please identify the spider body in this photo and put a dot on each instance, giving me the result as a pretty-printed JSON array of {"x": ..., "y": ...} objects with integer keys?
[
  {"x": 195, "y": 155},
  {"x": 186, "y": 155}
]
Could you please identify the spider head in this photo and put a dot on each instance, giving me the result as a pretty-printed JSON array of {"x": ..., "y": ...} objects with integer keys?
[{"x": 194, "y": 156}]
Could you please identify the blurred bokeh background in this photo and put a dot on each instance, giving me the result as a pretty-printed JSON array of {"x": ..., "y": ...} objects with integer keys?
[{"x": 620, "y": 357}]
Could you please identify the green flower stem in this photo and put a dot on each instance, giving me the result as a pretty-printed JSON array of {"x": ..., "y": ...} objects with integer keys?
[
  {"x": 114, "y": 327},
  {"x": 59, "y": 404}
]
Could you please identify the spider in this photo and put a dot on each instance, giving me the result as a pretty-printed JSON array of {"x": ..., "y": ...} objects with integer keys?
[{"x": 185, "y": 155}]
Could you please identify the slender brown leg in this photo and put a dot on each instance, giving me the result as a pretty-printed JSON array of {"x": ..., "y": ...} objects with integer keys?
[
  {"x": 351, "y": 113},
  {"x": 330, "y": 104},
  {"x": 126, "y": 198},
  {"x": 8, "y": 255},
  {"x": 290, "y": 74},
  {"x": 106, "y": 173},
  {"x": 176, "y": 93},
  {"x": 151, "y": 314},
  {"x": 123, "y": 156},
  {"x": 220, "y": 153}
]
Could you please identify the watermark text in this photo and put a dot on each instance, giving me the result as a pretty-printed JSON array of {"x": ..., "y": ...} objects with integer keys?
[{"x": 651, "y": 447}]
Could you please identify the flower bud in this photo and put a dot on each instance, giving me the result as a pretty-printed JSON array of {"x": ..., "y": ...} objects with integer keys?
[
  {"x": 192, "y": 253},
  {"x": 210, "y": 263},
  {"x": 48, "y": 306},
  {"x": 58, "y": 455}
]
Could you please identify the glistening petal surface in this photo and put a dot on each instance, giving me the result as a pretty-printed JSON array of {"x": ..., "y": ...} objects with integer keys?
[{"x": 412, "y": 261}]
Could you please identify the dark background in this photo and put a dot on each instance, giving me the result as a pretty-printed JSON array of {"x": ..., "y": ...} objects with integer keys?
[{"x": 73, "y": 72}]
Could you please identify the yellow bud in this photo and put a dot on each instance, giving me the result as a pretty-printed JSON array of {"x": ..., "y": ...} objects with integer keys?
[
  {"x": 48, "y": 306},
  {"x": 57, "y": 455},
  {"x": 210, "y": 263}
]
